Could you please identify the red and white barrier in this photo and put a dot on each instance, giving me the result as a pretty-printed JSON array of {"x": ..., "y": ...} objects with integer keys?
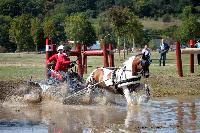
[{"x": 190, "y": 51}]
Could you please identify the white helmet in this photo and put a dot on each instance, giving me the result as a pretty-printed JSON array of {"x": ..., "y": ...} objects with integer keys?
[{"x": 60, "y": 47}]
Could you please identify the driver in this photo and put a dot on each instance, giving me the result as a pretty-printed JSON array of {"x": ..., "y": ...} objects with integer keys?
[{"x": 62, "y": 60}]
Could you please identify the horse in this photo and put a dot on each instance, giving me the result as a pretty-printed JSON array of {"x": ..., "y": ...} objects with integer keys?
[{"x": 123, "y": 80}]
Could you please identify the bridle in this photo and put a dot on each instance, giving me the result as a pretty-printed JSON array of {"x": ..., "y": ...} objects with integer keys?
[{"x": 124, "y": 70}]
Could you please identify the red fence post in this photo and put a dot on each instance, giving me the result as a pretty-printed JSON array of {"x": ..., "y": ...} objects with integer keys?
[
  {"x": 111, "y": 55},
  {"x": 49, "y": 52},
  {"x": 47, "y": 49},
  {"x": 191, "y": 57},
  {"x": 47, "y": 56},
  {"x": 79, "y": 57},
  {"x": 105, "y": 54},
  {"x": 178, "y": 59},
  {"x": 84, "y": 59}
]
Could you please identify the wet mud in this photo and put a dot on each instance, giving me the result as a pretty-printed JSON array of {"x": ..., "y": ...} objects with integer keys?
[
  {"x": 32, "y": 92},
  {"x": 19, "y": 91},
  {"x": 10, "y": 88}
]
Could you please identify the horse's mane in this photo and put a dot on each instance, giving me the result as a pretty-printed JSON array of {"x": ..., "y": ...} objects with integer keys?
[
  {"x": 132, "y": 58},
  {"x": 129, "y": 64},
  {"x": 129, "y": 59}
]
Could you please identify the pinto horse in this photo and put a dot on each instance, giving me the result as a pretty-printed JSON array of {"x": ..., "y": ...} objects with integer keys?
[{"x": 124, "y": 80}]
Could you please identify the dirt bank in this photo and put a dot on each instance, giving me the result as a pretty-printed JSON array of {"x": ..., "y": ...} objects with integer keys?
[
  {"x": 18, "y": 90},
  {"x": 8, "y": 88},
  {"x": 26, "y": 92},
  {"x": 165, "y": 85}
]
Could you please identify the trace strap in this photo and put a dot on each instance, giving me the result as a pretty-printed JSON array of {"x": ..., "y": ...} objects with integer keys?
[{"x": 133, "y": 79}]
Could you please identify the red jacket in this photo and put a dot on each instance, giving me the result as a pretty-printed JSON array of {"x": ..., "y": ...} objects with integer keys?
[{"x": 62, "y": 61}]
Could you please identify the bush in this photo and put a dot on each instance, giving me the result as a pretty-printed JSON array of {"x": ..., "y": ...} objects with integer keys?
[{"x": 166, "y": 18}]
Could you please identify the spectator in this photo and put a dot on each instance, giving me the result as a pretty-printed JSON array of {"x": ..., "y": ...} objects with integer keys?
[
  {"x": 198, "y": 55},
  {"x": 164, "y": 47}
]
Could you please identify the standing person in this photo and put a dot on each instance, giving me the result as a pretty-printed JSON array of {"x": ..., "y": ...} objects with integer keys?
[
  {"x": 61, "y": 60},
  {"x": 198, "y": 55},
  {"x": 164, "y": 47},
  {"x": 146, "y": 51}
]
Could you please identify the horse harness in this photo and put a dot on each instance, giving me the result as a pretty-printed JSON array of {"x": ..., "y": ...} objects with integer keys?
[{"x": 131, "y": 81}]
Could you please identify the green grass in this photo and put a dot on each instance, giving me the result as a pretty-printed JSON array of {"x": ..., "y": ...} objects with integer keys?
[
  {"x": 158, "y": 25},
  {"x": 171, "y": 67},
  {"x": 22, "y": 66},
  {"x": 22, "y": 73}
]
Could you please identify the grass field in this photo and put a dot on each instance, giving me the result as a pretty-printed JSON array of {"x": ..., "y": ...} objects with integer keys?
[
  {"x": 164, "y": 80},
  {"x": 159, "y": 24},
  {"x": 22, "y": 65}
]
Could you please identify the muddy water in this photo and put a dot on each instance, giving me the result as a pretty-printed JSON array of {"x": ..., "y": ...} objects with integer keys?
[{"x": 159, "y": 115}]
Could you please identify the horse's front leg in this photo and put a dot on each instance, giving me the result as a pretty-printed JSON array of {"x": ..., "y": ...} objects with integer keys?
[
  {"x": 130, "y": 100},
  {"x": 142, "y": 94}
]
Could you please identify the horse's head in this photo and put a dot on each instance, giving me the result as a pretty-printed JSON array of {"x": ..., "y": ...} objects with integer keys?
[{"x": 141, "y": 63}]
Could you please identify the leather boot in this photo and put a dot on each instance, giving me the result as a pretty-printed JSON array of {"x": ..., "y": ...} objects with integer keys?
[
  {"x": 163, "y": 63},
  {"x": 159, "y": 62}
]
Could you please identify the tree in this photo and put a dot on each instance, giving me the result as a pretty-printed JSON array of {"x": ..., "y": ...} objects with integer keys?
[
  {"x": 104, "y": 29},
  {"x": 33, "y": 7},
  {"x": 4, "y": 33},
  {"x": 18, "y": 7},
  {"x": 49, "y": 28},
  {"x": 74, "y": 6},
  {"x": 58, "y": 20},
  {"x": 190, "y": 26},
  {"x": 103, "y": 5},
  {"x": 134, "y": 30},
  {"x": 9, "y": 8},
  {"x": 79, "y": 29},
  {"x": 125, "y": 23},
  {"x": 36, "y": 31},
  {"x": 54, "y": 28},
  {"x": 124, "y": 3},
  {"x": 19, "y": 33}
]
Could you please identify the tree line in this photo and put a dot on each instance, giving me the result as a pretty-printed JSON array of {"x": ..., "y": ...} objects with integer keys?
[{"x": 24, "y": 24}]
